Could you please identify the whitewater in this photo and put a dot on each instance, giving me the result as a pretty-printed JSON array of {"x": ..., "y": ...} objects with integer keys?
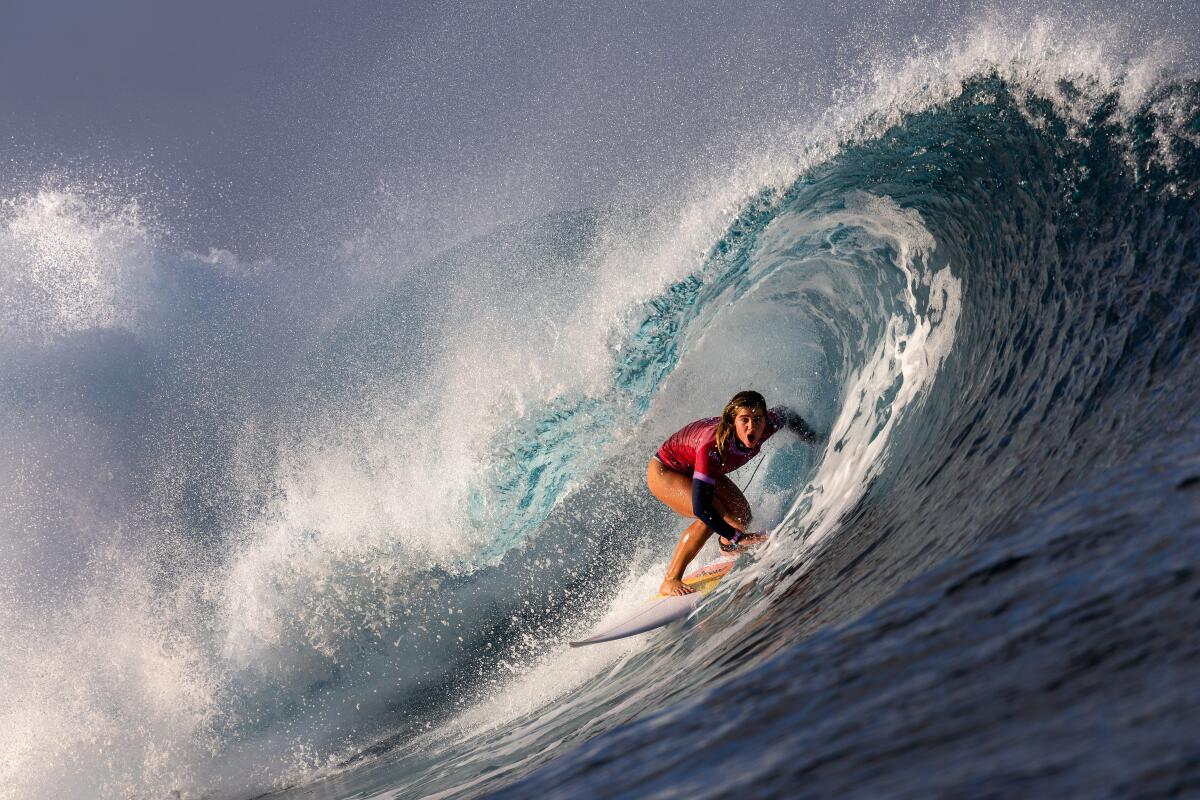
[{"x": 262, "y": 539}]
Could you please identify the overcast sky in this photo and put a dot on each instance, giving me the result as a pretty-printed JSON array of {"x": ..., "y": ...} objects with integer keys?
[{"x": 250, "y": 120}]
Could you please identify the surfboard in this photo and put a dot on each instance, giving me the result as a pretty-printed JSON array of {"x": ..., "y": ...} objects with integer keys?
[{"x": 662, "y": 609}]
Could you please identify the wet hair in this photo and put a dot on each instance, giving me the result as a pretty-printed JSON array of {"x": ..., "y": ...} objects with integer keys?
[{"x": 747, "y": 399}]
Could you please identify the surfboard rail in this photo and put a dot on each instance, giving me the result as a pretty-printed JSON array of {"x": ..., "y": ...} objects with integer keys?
[{"x": 663, "y": 609}]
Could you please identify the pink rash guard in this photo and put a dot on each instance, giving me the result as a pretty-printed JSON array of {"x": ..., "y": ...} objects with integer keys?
[{"x": 692, "y": 449}]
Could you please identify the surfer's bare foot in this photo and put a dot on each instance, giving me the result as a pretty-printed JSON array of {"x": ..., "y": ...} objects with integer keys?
[{"x": 671, "y": 586}]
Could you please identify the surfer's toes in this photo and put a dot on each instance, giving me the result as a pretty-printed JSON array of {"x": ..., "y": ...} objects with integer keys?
[{"x": 670, "y": 587}]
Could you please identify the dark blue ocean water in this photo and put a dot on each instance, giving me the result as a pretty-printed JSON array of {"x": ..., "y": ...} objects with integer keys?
[{"x": 362, "y": 543}]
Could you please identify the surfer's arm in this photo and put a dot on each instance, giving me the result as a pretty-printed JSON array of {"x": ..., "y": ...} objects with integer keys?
[
  {"x": 703, "y": 506},
  {"x": 795, "y": 423}
]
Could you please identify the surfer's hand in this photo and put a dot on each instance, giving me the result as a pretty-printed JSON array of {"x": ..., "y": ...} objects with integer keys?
[
  {"x": 673, "y": 586},
  {"x": 747, "y": 542}
]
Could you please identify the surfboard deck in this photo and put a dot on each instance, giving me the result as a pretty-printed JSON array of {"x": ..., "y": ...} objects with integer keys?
[{"x": 662, "y": 610}]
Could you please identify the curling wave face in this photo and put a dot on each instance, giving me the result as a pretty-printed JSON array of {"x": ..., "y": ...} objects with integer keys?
[{"x": 354, "y": 550}]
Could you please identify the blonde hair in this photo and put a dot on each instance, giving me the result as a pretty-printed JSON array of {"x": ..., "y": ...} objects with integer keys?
[{"x": 747, "y": 399}]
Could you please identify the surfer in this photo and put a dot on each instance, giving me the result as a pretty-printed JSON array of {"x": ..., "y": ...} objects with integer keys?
[{"x": 688, "y": 474}]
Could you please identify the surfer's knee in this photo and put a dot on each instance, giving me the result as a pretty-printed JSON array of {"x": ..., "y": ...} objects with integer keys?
[
  {"x": 739, "y": 521},
  {"x": 736, "y": 511},
  {"x": 734, "y": 507},
  {"x": 731, "y": 501}
]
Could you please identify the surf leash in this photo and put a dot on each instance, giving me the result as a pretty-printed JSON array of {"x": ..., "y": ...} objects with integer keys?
[{"x": 752, "y": 474}]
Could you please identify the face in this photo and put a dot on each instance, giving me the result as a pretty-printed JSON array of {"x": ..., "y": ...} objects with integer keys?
[{"x": 749, "y": 424}]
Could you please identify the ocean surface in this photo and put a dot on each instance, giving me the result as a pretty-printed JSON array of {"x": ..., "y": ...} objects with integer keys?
[{"x": 263, "y": 542}]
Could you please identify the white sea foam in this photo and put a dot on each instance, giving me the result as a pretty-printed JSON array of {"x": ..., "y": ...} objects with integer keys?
[
  {"x": 904, "y": 364},
  {"x": 67, "y": 264}
]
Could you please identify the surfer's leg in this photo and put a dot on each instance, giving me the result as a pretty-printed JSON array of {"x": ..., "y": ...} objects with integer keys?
[
  {"x": 673, "y": 489},
  {"x": 693, "y": 538},
  {"x": 736, "y": 510},
  {"x": 732, "y": 504}
]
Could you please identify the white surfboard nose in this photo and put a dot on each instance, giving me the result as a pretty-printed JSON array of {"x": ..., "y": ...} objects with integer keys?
[{"x": 660, "y": 612}]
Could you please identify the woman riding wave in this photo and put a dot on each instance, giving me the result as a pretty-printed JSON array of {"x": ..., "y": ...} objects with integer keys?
[{"x": 688, "y": 474}]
